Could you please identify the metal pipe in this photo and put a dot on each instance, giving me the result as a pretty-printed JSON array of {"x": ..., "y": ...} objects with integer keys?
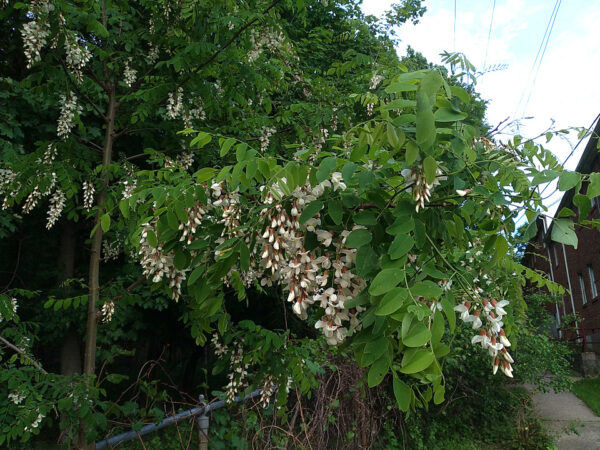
[
  {"x": 129, "y": 435},
  {"x": 570, "y": 290},
  {"x": 203, "y": 423}
]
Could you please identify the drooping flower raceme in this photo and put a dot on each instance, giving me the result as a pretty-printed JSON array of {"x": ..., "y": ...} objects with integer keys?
[
  {"x": 68, "y": 109},
  {"x": 57, "y": 203},
  {"x": 129, "y": 74},
  {"x": 34, "y": 35},
  {"x": 77, "y": 55},
  {"x": 88, "y": 195}
]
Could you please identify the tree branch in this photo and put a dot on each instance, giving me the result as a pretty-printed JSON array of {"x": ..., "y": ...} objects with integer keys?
[
  {"x": 442, "y": 204},
  {"x": 130, "y": 288},
  {"x": 81, "y": 93},
  {"x": 97, "y": 80},
  {"x": 141, "y": 155},
  {"x": 223, "y": 48},
  {"x": 89, "y": 143},
  {"x": 20, "y": 351}
]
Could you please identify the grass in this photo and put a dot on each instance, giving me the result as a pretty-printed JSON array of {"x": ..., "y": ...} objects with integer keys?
[{"x": 588, "y": 390}]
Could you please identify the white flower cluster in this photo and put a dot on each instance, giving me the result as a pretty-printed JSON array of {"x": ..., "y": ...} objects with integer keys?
[
  {"x": 491, "y": 337},
  {"x": 175, "y": 104},
  {"x": 108, "y": 309},
  {"x": 267, "y": 391},
  {"x": 370, "y": 106},
  {"x": 375, "y": 80},
  {"x": 34, "y": 39},
  {"x": 265, "y": 136},
  {"x": 229, "y": 217},
  {"x": 7, "y": 177},
  {"x": 35, "y": 423},
  {"x": 416, "y": 182},
  {"x": 220, "y": 349},
  {"x": 32, "y": 200},
  {"x": 188, "y": 229},
  {"x": 195, "y": 113},
  {"x": 323, "y": 275},
  {"x": 14, "y": 305},
  {"x": 77, "y": 56},
  {"x": 68, "y": 109},
  {"x": 309, "y": 277},
  {"x": 153, "y": 55},
  {"x": 49, "y": 154},
  {"x": 129, "y": 74},
  {"x": 16, "y": 397},
  {"x": 110, "y": 250},
  {"x": 158, "y": 264},
  {"x": 185, "y": 160},
  {"x": 128, "y": 189},
  {"x": 268, "y": 39},
  {"x": 57, "y": 204},
  {"x": 237, "y": 377},
  {"x": 88, "y": 195},
  {"x": 50, "y": 185}
]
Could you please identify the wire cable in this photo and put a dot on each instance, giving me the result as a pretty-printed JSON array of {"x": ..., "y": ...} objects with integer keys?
[
  {"x": 454, "y": 38},
  {"x": 487, "y": 45},
  {"x": 541, "y": 59},
  {"x": 589, "y": 129},
  {"x": 537, "y": 60}
]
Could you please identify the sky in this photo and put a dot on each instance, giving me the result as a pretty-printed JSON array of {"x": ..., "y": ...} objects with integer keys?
[{"x": 566, "y": 88}]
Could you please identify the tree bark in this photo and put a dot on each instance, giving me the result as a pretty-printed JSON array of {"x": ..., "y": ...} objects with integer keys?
[
  {"x": 70, "y": 347},
  {"x": 70, "y": 350},
  {"x": 89, "y": 363}
]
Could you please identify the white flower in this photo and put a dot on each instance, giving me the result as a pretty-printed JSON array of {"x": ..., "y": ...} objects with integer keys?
[
  {"x": 16, "y": 397},
  {"x": 463, "y": 193},
  {"x": 336, "y": 181},
  {"x": 499, "y": 307},
  {"x": 475, "y": 319},
  {"x": 463, "y": 309},
  {"x": 504, "y": 339},
  {"x": 481, "y": 338},
  {"x": 325, "y": 237}
]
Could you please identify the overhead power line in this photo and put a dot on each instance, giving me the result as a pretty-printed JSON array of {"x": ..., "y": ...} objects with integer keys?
[
  {"x": 537, "y": 62},
  {"x": 487, "y": 45},
  {"x": 454, "y": 38},
  {"x": 589, "y": 129},
  {"x": 541, "y": 58}
]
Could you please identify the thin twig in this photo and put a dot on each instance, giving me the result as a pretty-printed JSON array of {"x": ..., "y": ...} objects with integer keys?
[
  {"x": 81, "y": 93},
  {"x": 304, "y": 425},
  {"x": 34, "y": 363},
  {"x": 89, "y": 143},
  {"x": 14, "y": 273}
]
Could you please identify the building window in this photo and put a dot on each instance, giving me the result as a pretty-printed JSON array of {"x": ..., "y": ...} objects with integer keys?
[
  {"x": 582, "y": 286},
  {"x": 593, "y": 282}
]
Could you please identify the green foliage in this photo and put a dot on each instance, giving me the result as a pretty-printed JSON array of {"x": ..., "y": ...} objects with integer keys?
[{"x": 295, "y": 116}]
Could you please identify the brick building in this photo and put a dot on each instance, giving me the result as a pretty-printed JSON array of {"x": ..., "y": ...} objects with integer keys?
[{"x": 577, "y": 270}]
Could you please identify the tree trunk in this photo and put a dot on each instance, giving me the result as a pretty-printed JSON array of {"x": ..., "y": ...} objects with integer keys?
[
  {"x": 89, "y": 363},
  {"x": 70, "y": 347},
  {"x": 70, "y": 351}
]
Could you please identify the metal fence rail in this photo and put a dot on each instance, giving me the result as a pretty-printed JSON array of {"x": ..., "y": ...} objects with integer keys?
[{"x": 199, "y": 413}]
